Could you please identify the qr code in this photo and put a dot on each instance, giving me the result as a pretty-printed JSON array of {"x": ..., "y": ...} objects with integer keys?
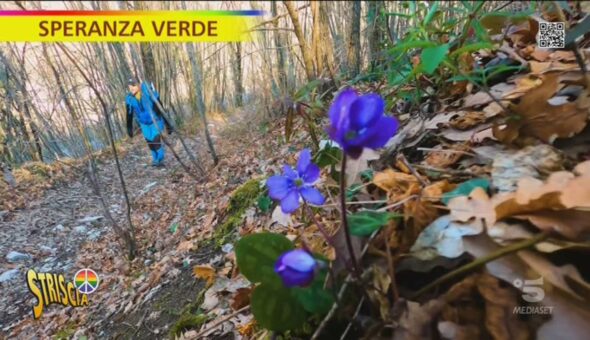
[{"x": 551, "y": 35}]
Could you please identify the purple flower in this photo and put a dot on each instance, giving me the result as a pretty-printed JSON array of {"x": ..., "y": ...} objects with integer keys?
[
  {"x": 358, "y": 122},
  {"x": 294, "y": 184},
  {"x": 296, "y": 268}
]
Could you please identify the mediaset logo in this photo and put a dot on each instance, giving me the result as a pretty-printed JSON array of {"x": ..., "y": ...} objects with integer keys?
[{"x": 532, "y": 292}]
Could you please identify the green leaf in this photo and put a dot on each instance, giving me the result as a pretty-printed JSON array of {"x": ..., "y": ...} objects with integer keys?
[
  {"x": 353, "y": 190},
  {"x": 465, "y": 188},
  {"x": 276, "y": 308},
  {"x": 329, "y": 155},
  {"x": 412, "y": 44},
  {"x": 431, "y": 13},
  {"x": 432, "y": 57},
  {"x": 256, "y": 255},
  {"x": 173, "y": 227},
  {"x": 471, "y": 48},
  {"x": 364, "y": 223},
  {"x": 264, "y": 203},
  {"x": 367, "y": 175},
  {"x": 315, "y": 299}
]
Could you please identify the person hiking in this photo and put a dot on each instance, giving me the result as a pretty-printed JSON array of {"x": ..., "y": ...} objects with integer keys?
[{"x": 141, "y": 104}]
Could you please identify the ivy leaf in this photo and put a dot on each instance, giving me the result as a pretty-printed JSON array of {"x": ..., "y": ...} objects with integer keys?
[
  {"x": 432, "y": 57},
  {"x": 256, "y": 255},
  {"x": 276, "y": 308},
  {"x": 264, "y": 203},
  {"x": 364, "y": 223},
  {"x": 465, "y": 188}
]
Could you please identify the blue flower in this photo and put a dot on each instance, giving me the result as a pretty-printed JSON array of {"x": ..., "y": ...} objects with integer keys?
[
  {"x": 292, "y": 185},
  {"x": 296, "y": 268},
  {"x": 358, "y": 122}
]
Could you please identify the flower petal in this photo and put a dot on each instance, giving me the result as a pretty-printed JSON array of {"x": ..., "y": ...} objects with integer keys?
[
  {"x": 340, "y": 106},
  {"x": 311, "y": 174},
  {"x": 304, "y": 161},
  {"x": 387, "y": 128},
  {"x": 290, "y": 203},
  {"x": 294, "y": 278},
  {"x": 289, "y": 172},
  {"x": 299, "y": 260},
  {"x": 296, "y": 268},
  {"x": 312, "y": 195},
  {"x": 279, "y": 187},
  {"x": 366, "y": 110}
]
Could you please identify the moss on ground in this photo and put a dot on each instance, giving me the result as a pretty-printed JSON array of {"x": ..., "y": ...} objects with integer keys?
[
  {"x": 187, "y": 322},
  {"x": 66, "y": 332},
  {"x": 242, "y": 198}
]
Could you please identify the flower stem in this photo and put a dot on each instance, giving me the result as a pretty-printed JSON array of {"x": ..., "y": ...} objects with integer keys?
[
  {"x": 320, "y": 226},
  {"x": 482, "y": 261},
  {"x": 355, "y": 265}
]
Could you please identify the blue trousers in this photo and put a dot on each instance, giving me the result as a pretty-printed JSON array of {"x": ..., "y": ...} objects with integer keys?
[{"x": 152, "y": 134}]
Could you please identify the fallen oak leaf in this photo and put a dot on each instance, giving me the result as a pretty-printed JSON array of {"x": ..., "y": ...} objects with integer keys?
[
  {"x": 558, "y": 276},
  {"x": 204, "y": 272},
  {"x": 562, "y": 203},
  {"x": 535, "y": 117}
]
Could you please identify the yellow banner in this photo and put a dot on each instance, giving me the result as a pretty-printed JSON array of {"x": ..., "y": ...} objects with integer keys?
[{"x": 126, "y": 26}]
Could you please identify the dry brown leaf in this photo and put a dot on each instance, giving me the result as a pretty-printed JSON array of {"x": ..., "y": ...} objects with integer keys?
[
  {"x": 204, "y": 272},
  {"x": 523, "y": 85},
  {"x": 185, "y": 246},
  {"x": 562, "y": 203},
  {"x": 248, "y": 329},
  {"x": 563, "y": 56},
  {"x": 397, "y": 184},
  {"x": 468, "y": 120},
  {"x": 537, "y": 118},
  {"x": 380, "y": 280},
  {"x": 540, "y": 54},
  {"x": 499, "y": 307},
  {"x": 558, "y": 276},
  {"x": 543, "y": 67},
  {"x": 442, "y": 158},
  {"x": 569, "y": 316},
  {"x": 415, "y": 321},
  {"x": 509, "y": 166},
  {"x": 241, "y": 298}
]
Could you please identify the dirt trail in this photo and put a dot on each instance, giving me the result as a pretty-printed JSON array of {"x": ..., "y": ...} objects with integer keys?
[{"x": 64, "y": 230}]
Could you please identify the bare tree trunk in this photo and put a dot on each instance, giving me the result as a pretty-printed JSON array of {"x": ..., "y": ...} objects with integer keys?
[
  {"x": 237, "y": 68},
  {"x": 353, "y": 53},
  {"x": 376, "y": 25},
  {"x": 280, "y": 50},
  {"x": 197, "y": 71},
  {"x": 305, "y": 51}
]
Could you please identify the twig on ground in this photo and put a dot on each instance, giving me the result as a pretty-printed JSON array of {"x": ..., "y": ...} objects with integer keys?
[
  {"x": 356, "y": 313},
  {"x": 390, "y": 263},
  {"x": 220, "y": 321},
  {"x": 404, "y": 160},
  {"x": 448, "y": 151}
]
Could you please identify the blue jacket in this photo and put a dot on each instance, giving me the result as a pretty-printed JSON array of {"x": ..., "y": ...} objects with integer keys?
[{"x": 144, "y": 109}]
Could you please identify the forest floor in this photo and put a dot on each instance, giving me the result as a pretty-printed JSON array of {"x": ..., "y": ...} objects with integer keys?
[{"x": 60, "y": 228}]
